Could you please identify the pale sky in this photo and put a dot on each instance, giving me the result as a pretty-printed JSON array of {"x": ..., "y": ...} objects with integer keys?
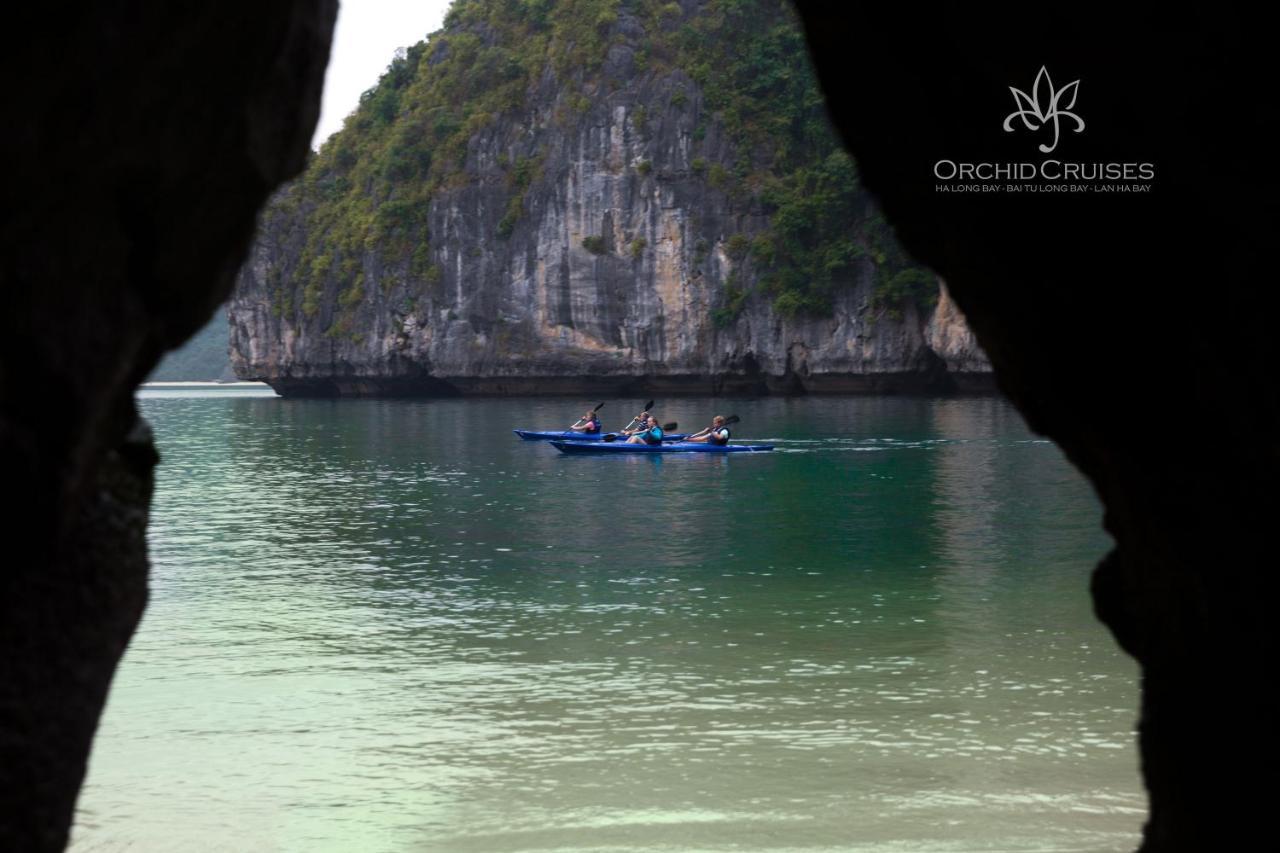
[{"x": 364, "y": 42}]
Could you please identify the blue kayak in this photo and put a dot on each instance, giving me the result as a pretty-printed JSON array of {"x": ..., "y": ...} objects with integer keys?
[
  {"x": 679, "y": 447},
  {"x": 569, "y": 435}
]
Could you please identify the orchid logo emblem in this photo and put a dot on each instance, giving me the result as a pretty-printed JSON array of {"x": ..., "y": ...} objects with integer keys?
[{"x": 1035, "y": 117}]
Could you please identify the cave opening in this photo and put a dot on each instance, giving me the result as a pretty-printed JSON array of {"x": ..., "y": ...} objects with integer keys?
[{"x": 134, "y": 211}]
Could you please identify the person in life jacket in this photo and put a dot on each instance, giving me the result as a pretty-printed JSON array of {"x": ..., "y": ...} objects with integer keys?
[
  {"x": 639, "y": 424},
  {"x": 652, "y": 434},
  {"x": 717, "y": 433},
  {"x": 588, "y": 423}
]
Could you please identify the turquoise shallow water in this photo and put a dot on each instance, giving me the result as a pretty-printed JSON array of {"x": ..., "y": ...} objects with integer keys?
[{"x": 392, "y": 626}]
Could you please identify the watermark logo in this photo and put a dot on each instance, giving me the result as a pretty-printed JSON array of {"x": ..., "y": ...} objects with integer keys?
[
  {"x": 1045, "y": 106},
  {"x": 1057, "y": 104}
]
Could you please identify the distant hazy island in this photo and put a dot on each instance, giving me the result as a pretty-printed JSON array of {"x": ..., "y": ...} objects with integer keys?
[{"x": 201, "y": 359}]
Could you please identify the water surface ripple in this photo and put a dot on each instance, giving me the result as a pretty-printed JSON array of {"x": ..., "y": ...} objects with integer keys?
[{"x": 391, "y": 626}]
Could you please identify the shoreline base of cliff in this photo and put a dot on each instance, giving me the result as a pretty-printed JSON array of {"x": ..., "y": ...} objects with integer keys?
[{"x": 931, "y": 384}]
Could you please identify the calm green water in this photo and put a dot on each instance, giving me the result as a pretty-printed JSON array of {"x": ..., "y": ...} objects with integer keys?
[{"x": 391, "y": 626}]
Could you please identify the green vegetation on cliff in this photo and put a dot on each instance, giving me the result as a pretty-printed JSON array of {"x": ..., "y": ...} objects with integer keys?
[{"x": 412, "y": 139}]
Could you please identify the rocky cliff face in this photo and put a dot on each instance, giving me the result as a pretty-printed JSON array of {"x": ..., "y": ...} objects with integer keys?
[{"x": 610, "y": 230}]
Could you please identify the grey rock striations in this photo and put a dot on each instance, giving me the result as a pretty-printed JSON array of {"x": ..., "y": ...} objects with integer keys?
[{"x": 600, "y": 234}]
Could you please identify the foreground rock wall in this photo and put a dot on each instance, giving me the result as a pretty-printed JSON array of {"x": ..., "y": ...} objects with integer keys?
[
  {"x": 1085, "y": 302},
  {"x": 142, "y": 142}
]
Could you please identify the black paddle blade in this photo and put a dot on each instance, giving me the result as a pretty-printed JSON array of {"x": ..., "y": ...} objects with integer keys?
[
  {"x": 598, "y": 408},
  {"x": 648, "y": 405},
  {"x": 732, "y": 419}
]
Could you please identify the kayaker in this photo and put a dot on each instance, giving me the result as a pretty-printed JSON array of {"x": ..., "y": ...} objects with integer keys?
[
  {"x": 638, "y": 424},
  {"x": 651, "y": 435},
  {"x": 588, "y": 423},
  {"x": 717, "y": 433}
]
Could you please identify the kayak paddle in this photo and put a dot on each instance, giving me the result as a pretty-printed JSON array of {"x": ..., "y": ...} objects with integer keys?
[
  {"x": 732, "y": 419},
  {"x": 647, "y": 407},
  {"x": 578, "y": 422}
]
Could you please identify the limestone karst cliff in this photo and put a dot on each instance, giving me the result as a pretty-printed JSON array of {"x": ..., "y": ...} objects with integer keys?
[{"x": 592, "y": 195}]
